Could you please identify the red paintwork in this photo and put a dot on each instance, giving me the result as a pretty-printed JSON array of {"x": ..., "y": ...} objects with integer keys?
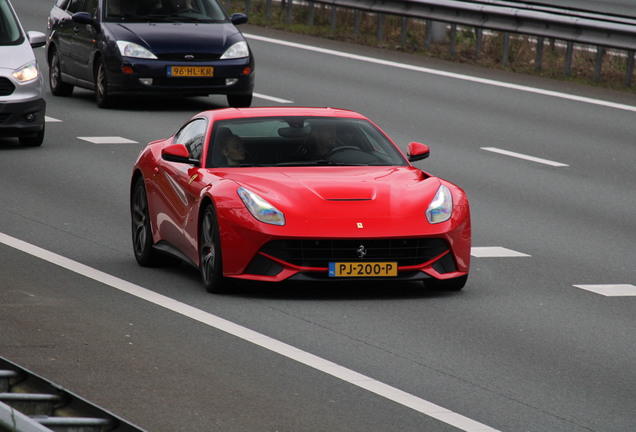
[{"x": 396, "y": 199}]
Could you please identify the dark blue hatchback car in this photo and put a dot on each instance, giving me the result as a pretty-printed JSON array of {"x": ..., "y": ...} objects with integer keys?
[{"x": 179, "y": 47}]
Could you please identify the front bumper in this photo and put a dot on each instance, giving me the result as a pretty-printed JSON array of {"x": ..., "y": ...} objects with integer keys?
[
  {"x": 150, "y": 76},
  {"x": 24, "y": 118}
]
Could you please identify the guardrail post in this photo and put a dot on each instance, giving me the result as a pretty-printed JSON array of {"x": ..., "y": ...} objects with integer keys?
[
  {"x": 268, "y": 10},
  {"x": 452, "y": 47},
  {"x": 479, "y": 41},
  {"x": 288, "y": 17},
  {"x": 505, "y": 51},
  {"x": 403, "y": 32},
  {"x": 435, "y": 32},
  {"x": 311, "y": 14},
  {"x": 630, "y": 68},
  {"x": 600, "y": 53},
  {"x": 357, "y": 20},
  {"x": 569, "y": 51},
  {"x": 379, "y": 35},
  {"x": 332, "y": 24},
  {"x": 538, "y": 59}
]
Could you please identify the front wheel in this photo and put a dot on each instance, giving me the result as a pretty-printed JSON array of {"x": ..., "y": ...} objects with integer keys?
[
  {"x": 210, "y": 263},
  {"x": 141, "y": 232},
  {"x": 102, "y": 96},
  {"x": 455, "y": 284}
]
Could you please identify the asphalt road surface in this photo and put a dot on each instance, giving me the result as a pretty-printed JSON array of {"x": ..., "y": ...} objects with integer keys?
[{"x": 541, "y": 339}]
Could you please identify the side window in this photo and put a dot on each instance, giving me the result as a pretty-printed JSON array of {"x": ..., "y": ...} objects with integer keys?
[
  {"x": 75, "y": 6},
  {"x": 192, "y": 136},
  {"x": 90, "y": 6}
]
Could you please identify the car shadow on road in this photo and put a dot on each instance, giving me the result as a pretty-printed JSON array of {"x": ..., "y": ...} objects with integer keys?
[
  {"x": 157, "y": 103},
  {"x": 336, "y": 290}
]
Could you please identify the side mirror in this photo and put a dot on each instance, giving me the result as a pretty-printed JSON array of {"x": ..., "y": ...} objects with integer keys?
[
  {"x": 418, "y": 151},
  {"x": 238, "y": 18},
  {"x": 178, "y": 153},
  {"x": 36, "y": 39},
  {"x": 83, "y": 18}
]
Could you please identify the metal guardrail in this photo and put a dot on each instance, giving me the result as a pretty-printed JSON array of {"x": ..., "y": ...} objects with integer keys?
[
  {"x": 569, "y": 25},
  {"x": 29, "y": 403},
  {"x": 542, "y": 21}
]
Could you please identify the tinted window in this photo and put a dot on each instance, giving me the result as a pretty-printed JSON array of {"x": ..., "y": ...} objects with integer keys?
[
  {"x": 301, "y": 141},
  {"x": 10, "y": 33},
  {"x": 164, "y": 10},
  {"x": 75, "y": 6}
]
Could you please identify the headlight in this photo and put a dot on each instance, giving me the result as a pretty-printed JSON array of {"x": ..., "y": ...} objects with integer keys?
[
  {"x": 261, "y": 209},
  {"x": 26, "y": 73},
  {"x": 441, "y": 208},
  {"x": 237, "y": 50},
  {"x": 129, "y": 49}
]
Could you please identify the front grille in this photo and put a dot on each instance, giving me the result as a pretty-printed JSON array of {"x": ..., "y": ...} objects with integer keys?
[
  {"x": 318, "y": 253},
  {"x": 181, "y": 57},
  {"x": 4, "y": 117},
  {"x": 6, "y": 87}
]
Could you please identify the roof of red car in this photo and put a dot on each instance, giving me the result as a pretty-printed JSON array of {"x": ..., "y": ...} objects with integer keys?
[{"x": 229, "y": 113}]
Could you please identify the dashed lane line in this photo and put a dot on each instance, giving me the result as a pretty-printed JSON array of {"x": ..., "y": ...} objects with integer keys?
[
  {"x": 524, "y": 157},
  {"x": 616, "y": 290},
  {"x": 495, "y": 252},
  {"x": 108, "y": 140}
]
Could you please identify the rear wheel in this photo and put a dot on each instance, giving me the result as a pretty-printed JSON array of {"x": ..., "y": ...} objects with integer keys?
[
  {"x": 455, "y": 284},
  {"x": 141, "y": 230},
  {"x": 210, "y": 253},
  {"x": 239, "y": 100},
  {"x": 58, "y": 87}
]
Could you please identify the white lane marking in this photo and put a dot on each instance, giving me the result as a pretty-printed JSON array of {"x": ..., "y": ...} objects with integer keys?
[
  {"x": 48, "y": 119},
  {"x": 495, "y": 252},
  {"x": 525, "y": 157},
  {"x": 384, "y": 390},
  {"x": 272, "y": 98},
  {"x": 447, "y": 74},
  {"x": 108, "y": 140},
  {"x": 619, "y": 290}
]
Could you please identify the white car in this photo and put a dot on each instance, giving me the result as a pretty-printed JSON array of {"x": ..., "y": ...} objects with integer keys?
[{"x": 22, "y": 104}]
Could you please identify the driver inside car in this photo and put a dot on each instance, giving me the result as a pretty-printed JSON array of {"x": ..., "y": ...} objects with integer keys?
[{"x": 175, "y": 6}]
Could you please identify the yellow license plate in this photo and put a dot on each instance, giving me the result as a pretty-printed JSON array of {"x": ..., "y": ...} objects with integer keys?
[
  {"x": 362, "y": 269},
  {"x": 190, "y": 71}
]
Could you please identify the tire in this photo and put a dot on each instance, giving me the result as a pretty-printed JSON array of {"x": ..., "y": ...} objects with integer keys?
[
  {"x": 145, "y": 255},
  {"x": 58, "y": 87},
  {"x": 210, "y": 263},
  {"x": 455, "y": 284},
  {"x": 103, "y": 98},
  {"x": 33, "y": 141},
  {"x": 239, "y": 100}
]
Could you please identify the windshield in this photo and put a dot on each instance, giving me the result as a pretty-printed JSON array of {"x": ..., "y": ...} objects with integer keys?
[
  {"x": 164, "y": 11},
  {"x": 300, "y": 141},
  {"x": 10, "y": 33}
]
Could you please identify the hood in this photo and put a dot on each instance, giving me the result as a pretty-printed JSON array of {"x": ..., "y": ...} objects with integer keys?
[
  {"x": 333, "y": 192},
  {"x": 173, "y": 38},
  {"x": 15, "y": 56}
]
